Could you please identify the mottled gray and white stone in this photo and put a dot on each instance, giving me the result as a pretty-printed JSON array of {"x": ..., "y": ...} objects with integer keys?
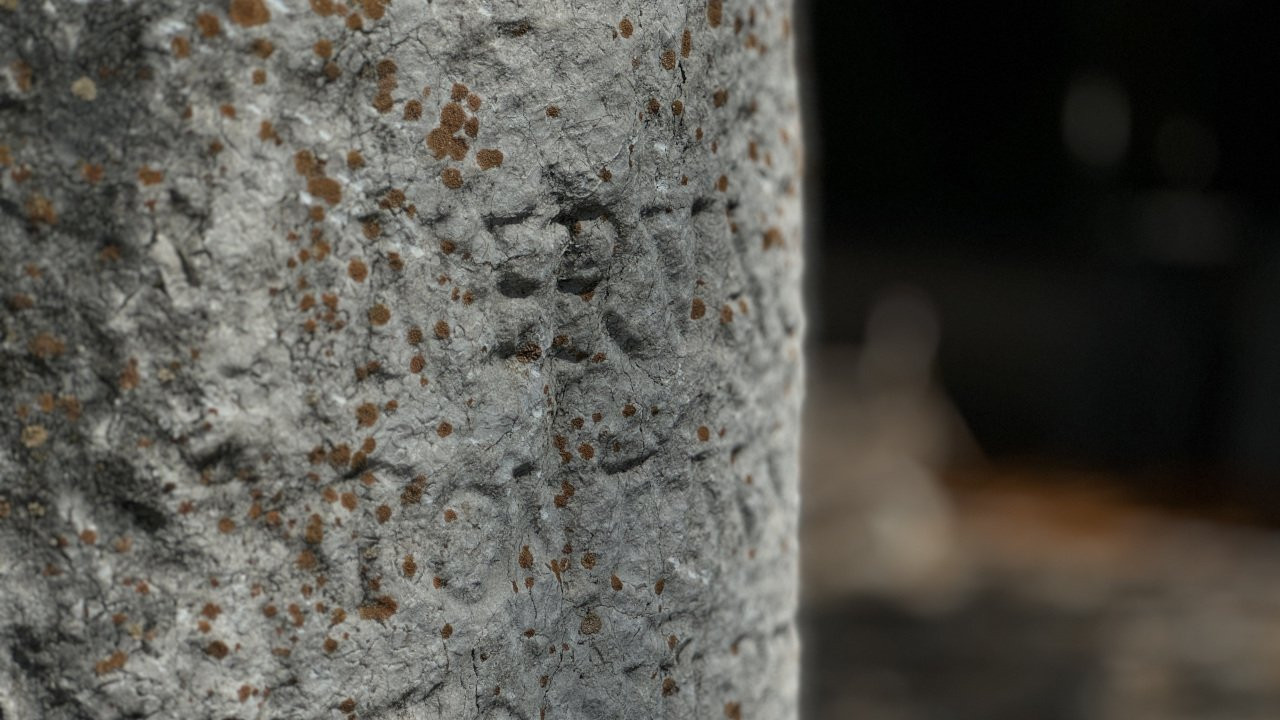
[{"x": 398, "y": 360}]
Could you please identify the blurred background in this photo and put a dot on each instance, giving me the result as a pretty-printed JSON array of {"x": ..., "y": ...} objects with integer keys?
[{"x": 1043, "y": 426}]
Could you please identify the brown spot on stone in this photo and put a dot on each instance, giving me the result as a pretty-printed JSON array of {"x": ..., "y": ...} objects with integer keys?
[
  {"x": 323, "y": 47},
  {"x": 590, "y": 624},
  {"x": 715, "y": 12},
  {"x": 668, "y": 60},
  {"x": 772, "y": 238},
  {"x": 450, "y": 515},
  {"x": 447, "y": 631},
  {"x": 704, "y": 434},
  {"x": 354, "y": 159},
  {"x": 722, "y": 183},
  {"x": 413, "y": 110},
  {"x": 45, "y": 346},
  {"x": 553, "y": 111},
  {"x": 669, "y": 687},
  {"x": 379, "y": 314},
  {"x": 330, "y": 645},
  {"x": 526, "y": 558},
  {"x": 488, "y": 158},
  {"x": 410, "y": 566},
  {"x": 452, "y": 116},
  {"x": 181, "y": 47},
  {"x": 615, "y": 582},
  {"x": 720, "y": 97},
  {"x": 458, "y": 92},
  {"x": 248, "y": 13},
  {"x": 625, "y": 28},
  {"x": 451, "y": 178},
  {"x": 347, "y": 706},
  {"x": 326, "y": 189},
  {"x": 586, "y": 451},
  {"x": 442, "y": 330},
  {"x": 262, "y": 47},
  {"x": 226, "y": 525},
  {"x": 444, "y": 429},
  {"x": 686, "y": 44},
  {"x": 733, "y": 710},
  {"x": 366, "y": 414},
  {"x": 697, "y": 309},
  {"x": 380, "y": 608},
  {"x": 208, "y": 24},
  {"x": 113, "y": 662},
  {"x": 357, "y": 270},
  {"x": 383, "y": 514},
  {"x": 217, "y": 649},
  {"x": 659, "y": 586},
  {"x": 40, "y": 209}
]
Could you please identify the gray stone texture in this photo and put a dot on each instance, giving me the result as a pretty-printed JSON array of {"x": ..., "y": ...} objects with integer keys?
[{"x": 398, "y": 360}]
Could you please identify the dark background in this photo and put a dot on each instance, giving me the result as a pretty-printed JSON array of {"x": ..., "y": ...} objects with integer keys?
[{"x": 1121, "y": 313}]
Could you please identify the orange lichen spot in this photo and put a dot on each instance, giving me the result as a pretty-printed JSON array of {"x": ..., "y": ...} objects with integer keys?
[
  {"x": 380, "y": 608},
  {"x": 442, "y": 330},
  {"x": 40, "y": 209},
  {"x": 383, "y": 514},
  {"x": 589, "y": 560},
  {"x": 590, "y": 624},
  {"x": 269, "y": 610},
  {"x": 375, "y": 9},
  {"x": 625, "y": 28},
  {"x": 314, "y": 533},
  {"x": 488, "y": 158},
  {"x": 366, "y": 414},
  {"x": 526, "y": 558},
  {"x": 654, "y": 106},
  {"x": 772, "y": 238},
  {"x": 715, "y": 12},
  {"x": 226, "y": 525},
  {"x": 355, "y": 22},
  {"x": 586, "y": 451},
  {"x": 208, "y": 24},
  {"x": 211, "y": 611},
  {"x": 733, "y": 710},
  {"x": 354, "y": 159},
  {"x": 382, "y": 102},
  {"x": 677, "y": 107},
  {"x": 474, "y": 102},
  {"x": 615, "y": 582},
  {"x": 450, "y": 515},
  {"x": 330, "y": 645},
  {"x": 413, "y": 110},
  {"x": 697, "y": 309},
  {"x": 181, "y": 46},
  {"x": 357, "y": 270},
  {"x": 447, "y": 631},
  {"x": 668, "y": 60},
  {"x": 379, "y": 314},
  {"x": 248, "y": 13},
  {"x": 323, "y": 47},
  {"x": 409, "y": 565},
  {"x": 262, "y": 47},
  {"x": 349, "y": 500},
  {"x": 114, "y": 662},
  {"x": 45, "y": 345},
  {"x": 553, "y": 111},
  {"x": 451, "y": 178},
  {"x": 217, "y": 649},
  {"x": 458, "y": 92},
  {"x": 244, "y": 692},
  {"x": 704, "y": 434},
  {"x": 323, "y": 8},
  {"x": 686, "y": 44},
  {"x": 326, "y": 189},
  {"x": 722, "y": 183}
]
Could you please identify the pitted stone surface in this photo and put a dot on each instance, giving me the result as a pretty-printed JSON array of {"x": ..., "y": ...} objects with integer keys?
[{"x": 398, "y": 360}]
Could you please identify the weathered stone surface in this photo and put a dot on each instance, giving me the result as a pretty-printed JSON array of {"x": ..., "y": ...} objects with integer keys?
[{"x": 398, "y": 360}]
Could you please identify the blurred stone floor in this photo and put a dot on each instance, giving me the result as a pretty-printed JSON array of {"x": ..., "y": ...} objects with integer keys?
[{"x": 1000, "y": 593}]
